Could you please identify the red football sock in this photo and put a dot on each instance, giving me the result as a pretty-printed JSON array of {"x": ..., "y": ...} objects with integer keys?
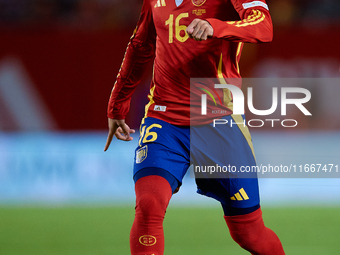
[
  {"x": 153, "y": 194},
  {"x": 251, "y": 234}
]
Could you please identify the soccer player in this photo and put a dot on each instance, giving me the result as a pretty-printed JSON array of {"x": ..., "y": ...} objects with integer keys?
[{"x": 187, "y": 39}]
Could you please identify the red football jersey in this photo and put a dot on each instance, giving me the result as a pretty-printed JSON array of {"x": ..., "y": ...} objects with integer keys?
[{"x": 160, "y": 36}]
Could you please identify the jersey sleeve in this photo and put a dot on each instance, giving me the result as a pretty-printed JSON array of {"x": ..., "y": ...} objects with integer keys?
[
  {"x": 140, "y": 51},
  {"x": 255, "y": 24}
]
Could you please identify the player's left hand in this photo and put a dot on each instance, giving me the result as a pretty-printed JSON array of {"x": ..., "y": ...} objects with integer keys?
[{"x": 200, "y": 30}]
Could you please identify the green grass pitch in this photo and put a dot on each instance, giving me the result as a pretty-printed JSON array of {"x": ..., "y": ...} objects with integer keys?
[{"x": 189, "y": 231}]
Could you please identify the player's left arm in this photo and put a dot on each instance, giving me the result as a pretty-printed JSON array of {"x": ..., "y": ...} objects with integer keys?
[{"x": 255, "y": 24}]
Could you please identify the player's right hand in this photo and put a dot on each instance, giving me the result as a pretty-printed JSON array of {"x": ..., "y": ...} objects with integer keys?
[
  {"x": 119, "y": 129},
  {"x": 200, "y": 30}
]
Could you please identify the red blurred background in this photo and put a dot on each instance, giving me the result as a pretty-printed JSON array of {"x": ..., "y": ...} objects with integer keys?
[{"x": 62, "y": 56}]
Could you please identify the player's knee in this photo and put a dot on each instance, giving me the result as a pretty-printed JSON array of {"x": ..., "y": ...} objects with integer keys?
[
  {"x": 151, "y": 204},
  {"x": 265, "y": 242},
  {"x": 153, "y": 194},
  {"x": 244, "y": 239}
]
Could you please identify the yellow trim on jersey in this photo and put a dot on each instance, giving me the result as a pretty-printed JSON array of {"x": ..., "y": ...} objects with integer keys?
[
  {"x": 237, "y": 55},
  {"x": 151, "y": 101},
  {"x": 256, "y": 18},
  {"x": 245, "y": 131},
  {"x": 227, "y": 101},
  {"x": 219, "y": 71},
  {"x": 150, "y": 96},
  {"x": 227, "y": 98}
]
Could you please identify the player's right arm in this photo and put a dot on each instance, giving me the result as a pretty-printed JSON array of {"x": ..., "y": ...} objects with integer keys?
[
  {"x": 140, "y": 51},
  {"x": 255, "y": 24}
]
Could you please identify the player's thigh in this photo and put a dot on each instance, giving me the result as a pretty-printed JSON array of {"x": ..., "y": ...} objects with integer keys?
[
  {"x": 162, "y": 146},
  {"x": 219, "y": 155},
  {"x": 231, "y": 192}
]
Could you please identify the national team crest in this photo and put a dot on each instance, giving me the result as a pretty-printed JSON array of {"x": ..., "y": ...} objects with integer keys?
[
  {"x": 141, "y": 154},
  {"x": 198, "y": 2}
]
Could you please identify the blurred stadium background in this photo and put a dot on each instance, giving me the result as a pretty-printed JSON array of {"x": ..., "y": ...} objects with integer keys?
[{"x": 61, "y": 194}]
